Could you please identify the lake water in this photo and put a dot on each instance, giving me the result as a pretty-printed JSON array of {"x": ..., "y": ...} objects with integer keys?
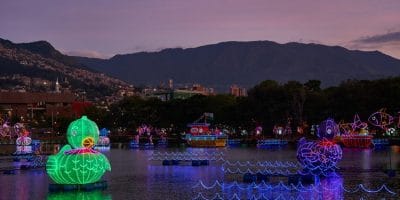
[{"x": 134, "y": 176}]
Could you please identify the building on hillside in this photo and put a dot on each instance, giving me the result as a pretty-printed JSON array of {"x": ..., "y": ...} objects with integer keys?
[
  {"x": 237, "y": 91},
  {"x": 181, "y": 93}
]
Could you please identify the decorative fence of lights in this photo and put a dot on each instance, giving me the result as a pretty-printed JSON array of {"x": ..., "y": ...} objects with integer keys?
[
  {"x": 187, "y": 156},
  {"x": 331, "y": 188}
]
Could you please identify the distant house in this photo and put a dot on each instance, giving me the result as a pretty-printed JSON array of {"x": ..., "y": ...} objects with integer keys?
[
  {"x": 31, "y": 104},
  {"x": 182, "y": 93},
  {"x": 237, "y": 91}
]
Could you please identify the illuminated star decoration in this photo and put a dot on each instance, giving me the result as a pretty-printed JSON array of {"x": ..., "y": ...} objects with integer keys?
[
  {"x": 358, "y": 124},
  {"x": 345, "y": 128}
]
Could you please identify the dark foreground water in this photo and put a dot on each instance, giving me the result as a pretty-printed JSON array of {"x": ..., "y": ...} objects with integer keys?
[{"x": 134, "y": 176}]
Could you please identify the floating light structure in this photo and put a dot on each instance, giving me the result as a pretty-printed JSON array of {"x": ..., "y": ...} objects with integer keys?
[
  {"x": 77, "y": 162},
  {"x": 23, "y": 142},
  {"x": 381, "y": 119},
  {"x": 357, "y": 135},
  {"x": 104, "y": 140},
  {"x": 328, "y": 129},
  {"x": 318, "y": 157}
]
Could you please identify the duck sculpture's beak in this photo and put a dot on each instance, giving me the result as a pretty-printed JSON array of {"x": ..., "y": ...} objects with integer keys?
[{"x": 88, "y": 142}]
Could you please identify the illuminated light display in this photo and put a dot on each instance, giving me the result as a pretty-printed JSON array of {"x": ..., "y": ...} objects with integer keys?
[
  {"x": 77, "y": 162},
  {"x": 319, "y": 156},
  {"x": 381, "y": 119},
  {"x": 380, "y": 143},
  {"x": 163, "y": 137},
  {"x": 271, "y": 143},
  {"x": 23, "y": 142},
  {"x": 187, "y": 156},
  {"x": 357, "y": 136},
  {"x": 391, "y": 132},
  {"x": 258, "y": 130},
  {"x": 82, "y": 133},
  {"x": 104, "y": 140},
  {"x": 357, "y": 141},
  {"x": 345, "y": 128},
  {"x": 328, "y": 129},
  {"x": 358, "y": 124},
  {"x": 278, "y": 130},
  {"x": 330, "y": 188}
]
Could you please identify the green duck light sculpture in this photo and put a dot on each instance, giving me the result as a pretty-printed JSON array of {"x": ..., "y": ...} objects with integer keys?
[{"x": 77, "y": 162}]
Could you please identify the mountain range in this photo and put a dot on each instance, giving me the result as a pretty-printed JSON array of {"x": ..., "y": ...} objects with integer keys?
[
  {"x": 216, "y": 65},
  {"x": 36, "y": 66},
  {"x": 247, "y": 63}
]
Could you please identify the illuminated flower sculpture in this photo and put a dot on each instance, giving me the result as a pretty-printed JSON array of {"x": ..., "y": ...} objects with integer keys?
[
  {"x": 318, "y": 157},
  {"x": 77, "y": 162}
]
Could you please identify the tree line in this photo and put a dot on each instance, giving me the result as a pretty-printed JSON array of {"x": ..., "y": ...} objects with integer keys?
[{"x": 267, "y": 104}]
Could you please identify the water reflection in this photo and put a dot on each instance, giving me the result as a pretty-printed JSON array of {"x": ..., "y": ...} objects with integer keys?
[
  {"x": 79, "y": 195},
  {"x": 133, "y": 176}
]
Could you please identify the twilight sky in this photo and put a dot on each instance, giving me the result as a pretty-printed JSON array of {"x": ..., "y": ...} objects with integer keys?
[{"x": 103, "y": 28}]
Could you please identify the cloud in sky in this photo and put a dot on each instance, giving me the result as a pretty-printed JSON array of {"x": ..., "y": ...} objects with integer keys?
[
  {"x": 126, "y": 26},
  {"x": 380, "y": 39},
  {"x": 87, "y": 53},
  {"x": 388, "y": 43}
]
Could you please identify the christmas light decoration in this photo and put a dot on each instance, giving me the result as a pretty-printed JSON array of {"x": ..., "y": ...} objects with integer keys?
[
  {"x": 358, "y": 124},
  {"x": 77, "y": 162},
  {"x": 319, "y": 156},
  {"x": 332, "y": 188},
  {"x": 271, "y": 143},
  {"x": 104, "y": 140},
  {"x": 357, "y": 141},
  {"x": 328, "y": 129},
  {"x": 214, "y": 156},
  {"x": 381, "y": 119},
  {"x": 23, "y": 142},
  {"x": 358, "y": 136}
]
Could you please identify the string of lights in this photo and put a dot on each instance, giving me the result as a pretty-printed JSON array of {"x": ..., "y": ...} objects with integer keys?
[
  {"x": 188, "y": 158},
  {"x": 273, "y": 164},
  {"x": 319, "y": 188},
  {"x": 187, "y": 154}
]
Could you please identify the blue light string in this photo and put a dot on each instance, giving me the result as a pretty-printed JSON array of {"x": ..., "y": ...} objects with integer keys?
[
  {"x": 187, "y": 154},
  {"x": 299, "y": 187},
  {"x": 187, "y": 158},
  {"x": 275, "y": 164},
  {"x": 235, "y": 196}
]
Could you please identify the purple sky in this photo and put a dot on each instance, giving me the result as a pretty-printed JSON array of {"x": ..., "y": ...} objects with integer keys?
[{"x": 103, "y": 28}]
